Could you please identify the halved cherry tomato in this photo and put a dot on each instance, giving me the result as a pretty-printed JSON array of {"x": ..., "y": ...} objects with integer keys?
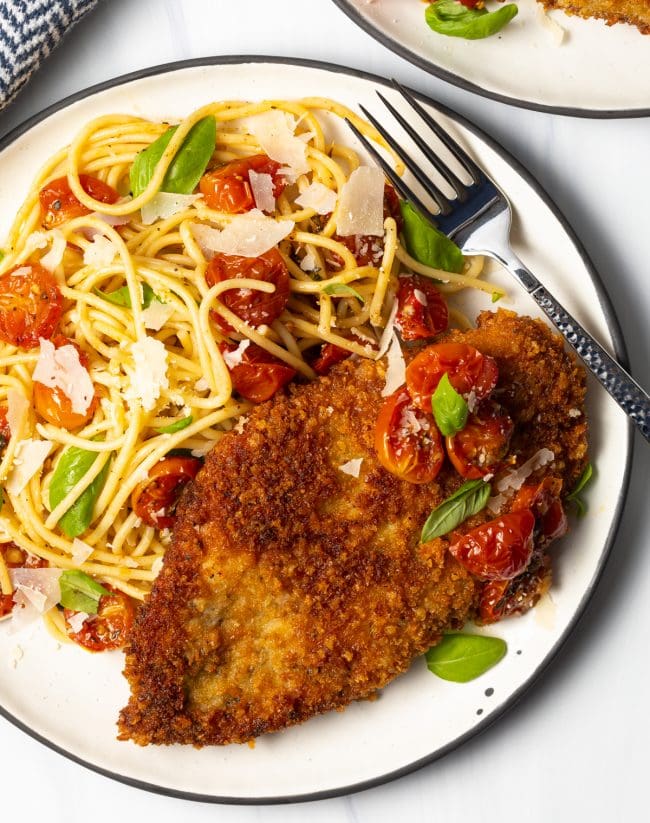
[
  {"x": 58, "y": 203},
  {"x": 55, "y": 406},
  {"x": 329, "y": 356},
  {"x": 254, "y": 307},
  {"x": 30, "y": 305},
  {"x": 498, "y": 550},
  {"x": 108, "y": 628},
  {"x": 407, "y": 440},
  {"x": 5, "y": 431},
  {"x": 544, "y": 501},
  {"x": 155, "y": 499},
  {"x": 502, "y": 598},
  {"x": 228, "y": 188},
  {"x": 16, "y": 558},
  {"x": 259, "y": 375},
  {"x": 478, "y": 449},
  {"x": 468, "y": 370},
  {"x": 422, "y": 310}
]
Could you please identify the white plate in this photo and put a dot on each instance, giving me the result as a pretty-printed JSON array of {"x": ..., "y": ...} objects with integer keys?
[
  {"x": 598, "y": 70},
  {"x": 70, "y": 699}
]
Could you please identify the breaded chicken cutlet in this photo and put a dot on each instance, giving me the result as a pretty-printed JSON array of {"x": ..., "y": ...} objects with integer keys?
[
  {"x": 634, "y": 12},
  {"x": 292, "y": 588}
]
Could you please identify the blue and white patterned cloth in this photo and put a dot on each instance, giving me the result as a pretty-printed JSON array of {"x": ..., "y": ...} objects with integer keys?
[{"x": 29, "y": 30}]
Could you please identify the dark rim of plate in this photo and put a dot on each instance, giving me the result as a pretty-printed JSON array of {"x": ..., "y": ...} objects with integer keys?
[
  {"x": 620, "y": 351},
  {"x": 395, "y": 46}
]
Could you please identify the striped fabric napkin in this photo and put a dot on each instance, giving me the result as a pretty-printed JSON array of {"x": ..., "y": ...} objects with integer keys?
[{"x": 29, "y": 30}]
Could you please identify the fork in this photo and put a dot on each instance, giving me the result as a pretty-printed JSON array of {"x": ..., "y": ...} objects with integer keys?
[{"x": 478, "y": 220}]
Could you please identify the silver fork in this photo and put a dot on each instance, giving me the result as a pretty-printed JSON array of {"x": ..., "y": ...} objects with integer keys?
[{"x": 478, "y": 220}]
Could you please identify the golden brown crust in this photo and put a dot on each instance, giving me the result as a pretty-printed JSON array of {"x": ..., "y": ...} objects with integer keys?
[
  {"x": 634, "y": 12},
  {"x": 292, "y": 588}
]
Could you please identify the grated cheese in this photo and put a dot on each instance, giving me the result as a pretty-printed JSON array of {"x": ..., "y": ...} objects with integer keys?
[
  {"x": 352, "y": 467},
  {"x": 309, "y": 262},
  {"x": 30, "y": 456},
  {"x": 247, "y": 235},
  {"x": 100, "y": 253},
  {"x": 361, "y": 203},
  {"x": 262, "y": 188},
  {"x": 396, "y": 371},
  {"x": 515, "y": 478},
  {"x": 317, "y": 197},
  {"x": 387, "y": 334},
  {"x": 157, "y": 314},
  {"x": 77, "y": 620},
  {"x": 150, "y": 372},
  {"x": 54, "y": 256},
  {"x": 234, "y": 358},
  {"x": 61, "y": 368}
]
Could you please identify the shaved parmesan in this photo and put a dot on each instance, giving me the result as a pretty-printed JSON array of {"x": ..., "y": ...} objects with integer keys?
[
  {"x": 421, "y": 297},
  {"x": 165, "y": 204},
  {"x": 114, "y": 219},
  {"x": 76, "y": 621},
  {"x": 352, "y": 467},
  {"x": 234, "y": 358},
  {"x": 54, "y": 256},
  {"x": 150, "y": 372},
  {"x": 157, "y": 314},
  {"x": 317, "y": 197},
  {"x": 275, "y": 132},
  {"x": 551, "y": 25},
  {"x": 17, "y": 405},
  {"x": 36, "y": 592},
  {"x": 396, "y": 371},
  {"x": 100, "y": 253},
  {"x": 80, "y": 551},
  {"x": 157, "y": 565},
  {"x": 262, "y": 188},
  {"x": 387, "y": 334},
  {"x": 247, "y": 235},
  {"x": 309, "y": 262},
  {"x": 30, "y": 456},
  {"x": 361, "y": 203},
  {"x": 496, "y": 503},
  {"x": 36, "y": 240},
  {"x": 61, "y": 368},
  {"x": 201, "y": 384},
  {"x": 515, "y": 478}
]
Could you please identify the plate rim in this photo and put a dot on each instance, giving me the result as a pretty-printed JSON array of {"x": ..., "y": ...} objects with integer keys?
[
  {"x": 620, "y": 350},
  {"x": 467, "y": 85}
]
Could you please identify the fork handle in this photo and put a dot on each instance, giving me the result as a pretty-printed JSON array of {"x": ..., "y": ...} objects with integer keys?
[{"x": 634, "y": 401}]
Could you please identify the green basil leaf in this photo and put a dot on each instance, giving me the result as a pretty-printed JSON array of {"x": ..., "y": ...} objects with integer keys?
[
  {"x": 469, "y": 499},
  {"x": 452, "y": 19},
  {"x": 427, "y": 244},
  {"x": 449, "y": 408},
  {"x": 189, "y": 163},
  {"x": 72, "y": 466},
  {"x": 2, "y": 255},
  {"x": 122, "y": 296},
  {"x": 80, "y": 592},
  {"x": 463, "y": 657},
  {"x": 176, "y": 426},
  {"x": 584, "y": 478},
  {"x": 496, "y": 296},
  {"x": 342, "y": 289}
]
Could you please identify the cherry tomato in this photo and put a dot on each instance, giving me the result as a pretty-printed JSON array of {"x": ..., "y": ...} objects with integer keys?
[
  {"x": 498, "y": 550},
  {"x": 154, "y": 499},
  {"x": 468, "y": 370},
  {"x": 58, "y": 203},
  {"x": 502, "y": 598},
  {"x": 478, "y": 449},
  {"x": 259, "y": 375},
  {"x": 254, "y": 307},
  {"x": 329, "y": 356},
  {"x": 407, "y": 441},
  {"x": 30, "y": 305},
  {"x": 544, "y": 501},
  {"x": 55, "y": 406},
  {"x": 108, "y": 628},
  {"x": 16, "y": 558},
  {"x": 422, "y": 310},
  {"x": 228, "y": 188},
  {"x": 5, "y": 431}
]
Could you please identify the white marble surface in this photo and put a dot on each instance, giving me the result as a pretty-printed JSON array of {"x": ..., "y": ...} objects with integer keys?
[{"x": 575, "y": 748}]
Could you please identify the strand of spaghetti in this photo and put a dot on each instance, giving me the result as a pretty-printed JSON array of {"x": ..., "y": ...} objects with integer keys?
[
  {"x": 117, "y": 470},
  {"x": 348, "y": 276},
  {"x": 349, "y": 260},
  {"x": 57, "y": 435},
  {"x": 438, "y": 274},
  {"x": 342, "y": 342},
  {"x": 390, "y": 247}
]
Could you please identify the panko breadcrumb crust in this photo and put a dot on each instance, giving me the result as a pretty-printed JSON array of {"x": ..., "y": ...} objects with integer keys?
[
  {"x": 292, "y": 588},
  {"x": 634, "y": 12}
]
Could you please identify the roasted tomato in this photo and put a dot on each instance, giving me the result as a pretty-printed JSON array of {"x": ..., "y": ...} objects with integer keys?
[
  {"x": 468, "y": 371},
  {"x": 544, "y": 501},
  {"x": 5, "y": 431},
  {"x": 407, "y": 440},
  {"x": 30, "y": 305},
  {"x": 155, "y": 499},
  {"x": 422, "y": 310},
  {"x": 259, "y": 374},
  {"x": 329, "y": 356},
  {"x": 228, "y": 188},
  {"x": 55, "y": 406},
  {"x": 502, "y": 598},
  {"x": 108, "y": 628},
  {"x": 58, "y": 203},
  {"x": 498, "y": 550},
  {"x": 367, "y": 249},
  {"x": 478, "y": 449},
  {"x": 16, "y": 558},
  {"x": 254, "y": 307}
]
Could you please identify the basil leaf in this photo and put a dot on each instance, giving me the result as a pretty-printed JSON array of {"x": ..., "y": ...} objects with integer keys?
[
  {"x": 187, "y": 166},
  {"x": 80, "y": 592},
  {"x": 342, "y": 288},
  {"x": 72, "y": 466},
  {"x": 452, "y": 19},
  {"x": 449, "y": 408},
  {"x": 496, "y": 296},
  {"x": 2, "y": 255},
  {"x": 463, "y": 657},
  {"x": 427, "y": 244},
  {"x": 122, "y": 296},
  {"x": 584, "y": 478},
  {"x": 469, "y": 499},
  {"x": 176, "y": 426}
]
